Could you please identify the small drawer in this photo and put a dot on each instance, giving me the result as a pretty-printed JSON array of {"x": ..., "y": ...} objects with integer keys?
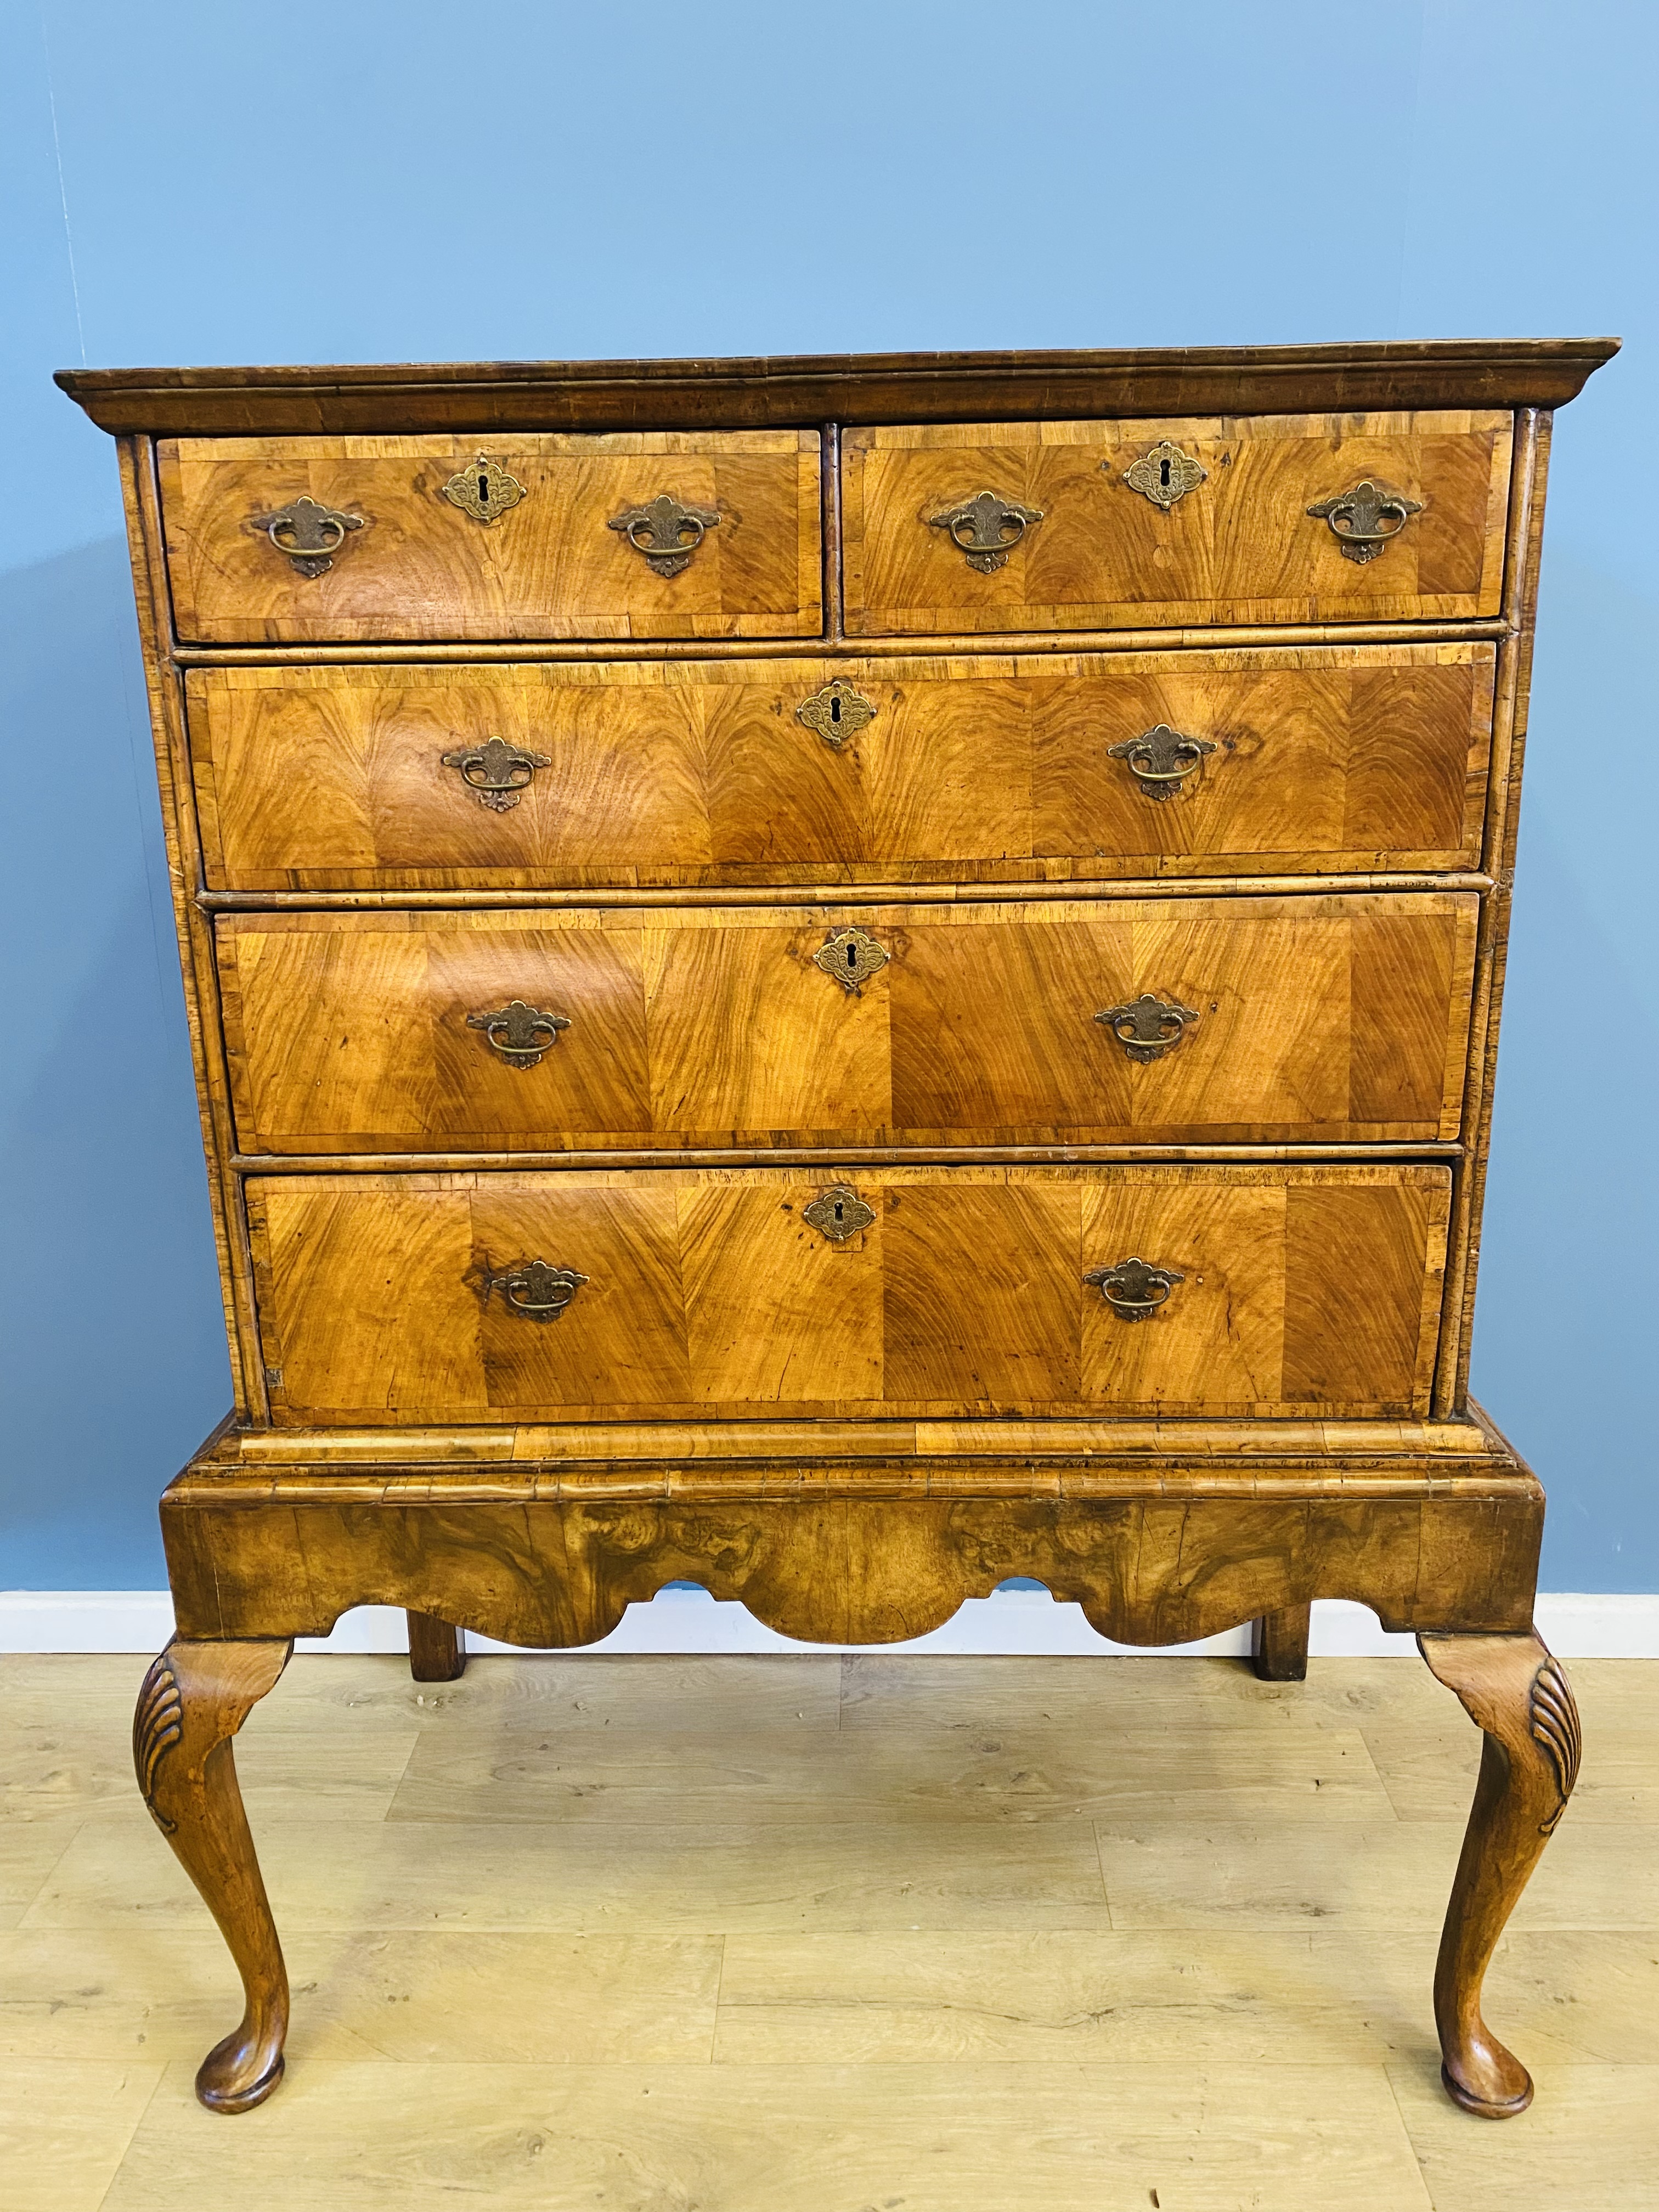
[
  {"x": 1104, "y": 525},
  {"x": 399, "y": 1300},
  {"x": 670, "y": 534},
  {"x": 1180, "y": 1020},
  {"x": 1291, "y": 759}
]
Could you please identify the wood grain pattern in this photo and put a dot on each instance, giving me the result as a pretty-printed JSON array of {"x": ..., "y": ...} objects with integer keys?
[
  {"x": 1518, "y": 1696},
  {"x": 548, "y": 1553},
  {"x": 471, "y": 396},
  {"x": 709, "y": 1295},
  {"x": 1333, "y": 1019},
  {"x": 192, "y": 1701},
  {"x": 1241, "y": 547},
  {"x": 550, "y": 567},
  {"x": 993, "y": 768}
]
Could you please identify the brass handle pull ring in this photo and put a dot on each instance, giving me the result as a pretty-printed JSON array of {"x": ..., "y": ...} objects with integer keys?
[
  {"x": 521, "y": 1034},
  {"x": 1134, "y": 1289},
  {"x": 495, "y": 773},
  {"x": 1159, "y": 757},
  {"x": 985, "y": 528},
  {"x": 1148, "y": 1027},
  {"x": 1366, "y": 518},
  {"x": 308, "y": 534},
  {"x": 666, "y": 531},
  {"x": 535, "y": 1290}
]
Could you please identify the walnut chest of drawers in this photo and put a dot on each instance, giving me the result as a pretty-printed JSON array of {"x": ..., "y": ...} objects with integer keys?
[{"x": 846, "y": 978}]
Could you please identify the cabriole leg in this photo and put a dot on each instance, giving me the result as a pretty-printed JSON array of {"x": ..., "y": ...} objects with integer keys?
[
  {"x": 1279, "y": 1645},
  {"x": 1516, "y": 1693},
  {"x": 194, "y": 1699}
]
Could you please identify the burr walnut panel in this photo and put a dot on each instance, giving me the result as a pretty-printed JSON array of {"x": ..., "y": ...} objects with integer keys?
[
  {"x": 982, "y": 768},
  {"x": 1306, "y": 1018},
  {"x": 550, "y": 566},
  {"x": 706, "y": 1294},
  {"x": 1238, "y": 546}
]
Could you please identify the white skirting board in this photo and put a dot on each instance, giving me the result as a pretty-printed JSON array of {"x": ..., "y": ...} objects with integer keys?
[{"x": 1015, "y": 1621}]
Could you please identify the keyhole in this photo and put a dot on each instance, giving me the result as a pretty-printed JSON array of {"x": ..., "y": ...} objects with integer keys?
[
  {"x": 840, "y": 1210},
  {"x": 852, "y": 956},
  {"x": 484, "y": 486},
  {"x": 1164, "y": 472},
  {"x": 834, "y": 710}
]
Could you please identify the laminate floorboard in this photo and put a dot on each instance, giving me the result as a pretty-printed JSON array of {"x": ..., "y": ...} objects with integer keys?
[{"x": 814, "y": 1934}]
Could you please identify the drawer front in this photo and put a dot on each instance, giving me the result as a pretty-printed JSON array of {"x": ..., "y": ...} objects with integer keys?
[
  {"x": 1080, "y": 533},
  {"x": 1287, "y": 759},
  {"x": 735, "y": 554},
  {"x": 1242, "y": 1020},
  {"x": 396, "y": 1300}
]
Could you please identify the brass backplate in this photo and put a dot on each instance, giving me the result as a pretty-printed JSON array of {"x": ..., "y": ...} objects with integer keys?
[
  {"x": 1164, "y": 474},
  {"x": 308, "y": 533},
  {"x": 1134, "y": 1289},
  {"x": 985, "y": 528},
  {"x": 1148, "y": 1027},
  {"x": 485, "y": 491},
  {"x": 521, "y": 1034},
  {"x": 837, "y": 712},
  {"x": 496, "y": 774},
  {"x": 838, "y": 1213},
  {"x": 665, "y": 530},
  {"x": 852, "y": 956},
  {"x": 533, "y": 1288},
  {"x": 1357, "y": 518}
]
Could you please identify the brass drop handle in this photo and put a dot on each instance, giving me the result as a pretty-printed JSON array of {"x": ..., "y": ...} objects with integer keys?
[
  {"x": 1366, "y": 518},
  {"x": 666, "y": 531},
  {"x": 1148, "y": 1027},
  {"x": 1134, "y": 1289},
  {"x": 308, "y": 534},
  {"x": 985, "y": 528},
  {"x": 521, "y": 1034},
  {"x": 1159, "y": 757},
  {"x": 535, "y": 1290},
  {"x": 495, "y": 773}
]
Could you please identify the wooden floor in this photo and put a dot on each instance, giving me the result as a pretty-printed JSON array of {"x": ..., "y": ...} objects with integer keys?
[{"x": 802, "y": 1935}]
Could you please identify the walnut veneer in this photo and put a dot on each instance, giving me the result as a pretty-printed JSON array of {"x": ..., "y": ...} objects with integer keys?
[{"x": 847, "y": 979}]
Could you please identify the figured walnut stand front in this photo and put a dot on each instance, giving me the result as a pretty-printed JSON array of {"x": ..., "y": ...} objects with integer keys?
[{"x": 845, "y": 978}]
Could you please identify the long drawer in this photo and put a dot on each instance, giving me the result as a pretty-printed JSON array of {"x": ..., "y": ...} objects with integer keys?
[
  {"x": 1179, "y": 1019},
  {"x": 646, "y": 534},
  {"x": 453, "y": 1298},
  {"x": 600, "y": 775},
  {"x": 1095, "y": 526}
]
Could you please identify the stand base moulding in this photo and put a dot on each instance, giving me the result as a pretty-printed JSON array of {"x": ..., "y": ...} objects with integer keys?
[{"x": 845, "y": 978}]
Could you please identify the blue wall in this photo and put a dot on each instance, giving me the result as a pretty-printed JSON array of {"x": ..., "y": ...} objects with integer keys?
[{"x": 199, "y": 183}]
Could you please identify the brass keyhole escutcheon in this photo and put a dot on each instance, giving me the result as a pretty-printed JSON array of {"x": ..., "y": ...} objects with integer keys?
[
  {"x": 485, "y": 491},
  {"x": 521, "y": 1034},
  {"x": 1159, "y": 757},
  {"x": 837, "y": 712},
  {"x": 1134, "y": 1289},
  {"x": 1163, "y": 475},
  {"x": 985, "y": 528},
  {"x": 496, "y": 774},
  {"x": 838, "y": 1213},
  {"x": 1366, "y": 518},
  {"x": 852, "y": 956},
  {"x": 1148, "y": 1027},
  {"x": 308, "y": 533}
]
